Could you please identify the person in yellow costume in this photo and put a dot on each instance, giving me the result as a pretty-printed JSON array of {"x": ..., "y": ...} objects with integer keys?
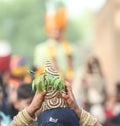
[{"x": 56, "y": 48}]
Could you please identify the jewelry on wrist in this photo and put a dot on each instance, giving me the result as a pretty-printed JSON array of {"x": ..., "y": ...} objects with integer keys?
[
  {"x": 86, "y": 119},
  {"x": 24, "y": 119}
]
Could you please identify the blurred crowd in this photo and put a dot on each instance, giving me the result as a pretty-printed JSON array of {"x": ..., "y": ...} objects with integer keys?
[
  {"x": 88, "y": 85},
  {"x": 88, "y": 82},
  {"x": 90, "y": 90}
]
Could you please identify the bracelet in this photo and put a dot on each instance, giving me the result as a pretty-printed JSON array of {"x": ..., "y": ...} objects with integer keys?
[
  {"x": 26, "y": 114},
  {"x": 24, "y": 119},
  {"x": 86, "y": 119}
]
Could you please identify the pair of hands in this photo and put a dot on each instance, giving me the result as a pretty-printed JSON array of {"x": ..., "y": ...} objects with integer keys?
[{"x": 39, "y": 97}]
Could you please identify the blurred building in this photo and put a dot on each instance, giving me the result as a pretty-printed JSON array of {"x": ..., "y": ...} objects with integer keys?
[{"x": 107, "y": 41}]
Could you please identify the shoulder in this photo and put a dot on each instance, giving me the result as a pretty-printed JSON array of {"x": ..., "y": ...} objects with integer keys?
[{"x": 41, "y": 46}]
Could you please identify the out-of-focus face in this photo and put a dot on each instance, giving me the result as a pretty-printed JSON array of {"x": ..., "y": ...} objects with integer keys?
[
  {"x": 22, "y": 103},
  {"x": 56, "y": 34},
  {"x": 12, "y": 95}
]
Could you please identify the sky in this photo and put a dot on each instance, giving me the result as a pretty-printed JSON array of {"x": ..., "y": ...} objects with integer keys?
[{"x": 77, "y": 7}]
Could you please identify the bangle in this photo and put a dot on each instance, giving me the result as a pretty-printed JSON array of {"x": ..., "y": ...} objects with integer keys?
[
  {"x": 24, "y": 119},
  {"x": 26, "y": 114},
  {"x": 86, "y": 119}
]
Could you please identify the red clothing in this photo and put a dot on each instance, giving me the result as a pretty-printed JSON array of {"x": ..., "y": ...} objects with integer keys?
[{"x": 5, "y": 63}]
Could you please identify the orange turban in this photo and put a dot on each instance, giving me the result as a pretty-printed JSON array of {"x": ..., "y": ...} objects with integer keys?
[{"x": 56, "y": 20}]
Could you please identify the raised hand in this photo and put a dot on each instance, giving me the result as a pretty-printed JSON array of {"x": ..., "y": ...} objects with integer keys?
[{"x": 36, "y": 102}]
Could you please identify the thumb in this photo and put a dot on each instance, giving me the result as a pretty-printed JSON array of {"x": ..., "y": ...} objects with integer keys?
[{"x": 65, "y": 96}]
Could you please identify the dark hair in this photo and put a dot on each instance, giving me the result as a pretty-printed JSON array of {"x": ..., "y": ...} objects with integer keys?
[
  {"x": 25, "y": 91},
  {"x": 94, "y": 61},
  {"x": 118, "y": 87}
]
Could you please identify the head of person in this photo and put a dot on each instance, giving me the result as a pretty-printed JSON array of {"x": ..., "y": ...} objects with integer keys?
[
  {"x": 24, "y": 96},
  {"x": 58, "y": 117},
  {"x": 18, "y": 67},
  {"x": 94, "y": 66},
  {"x": 56, "y": 23},
  {"x": 56, "y": 34}
]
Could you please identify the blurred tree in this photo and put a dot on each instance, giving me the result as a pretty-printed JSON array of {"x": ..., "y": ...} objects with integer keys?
[
  {"x": 22, "y": 23},
  {"x": 75, "y": 36}
]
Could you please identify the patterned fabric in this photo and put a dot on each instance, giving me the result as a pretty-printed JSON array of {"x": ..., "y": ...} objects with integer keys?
[
  {"x": 53, "y": 98},
  {"x": 86, "y": 119},
  {"x": 50, "y": 69}
]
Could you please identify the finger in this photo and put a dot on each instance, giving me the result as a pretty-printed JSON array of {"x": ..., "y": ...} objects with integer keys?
[
  {"x": 40, "y": 94},
  {"x": 44, "y": 92},
  {"x": 65, "y": 96},
  {"x": 69, "y": 91},
  {"x": 68, "y": 86},
  {"x": 69, "y": 101},
  {"x": 67, "y": 83}
]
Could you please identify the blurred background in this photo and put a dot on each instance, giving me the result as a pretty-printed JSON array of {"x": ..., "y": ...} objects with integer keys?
[
  {"x": 90, "y": 31},
  {"x": 22, "y": 22}
]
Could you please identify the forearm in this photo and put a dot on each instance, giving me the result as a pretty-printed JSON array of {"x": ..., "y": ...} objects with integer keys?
[
  {"x": 28, "y": 116},
  {"x": 98, "y": 124},
  {"x": 86, "y": 119},
  {"x": 24, "y": 118},
  {"x": 31, "y": 110}
]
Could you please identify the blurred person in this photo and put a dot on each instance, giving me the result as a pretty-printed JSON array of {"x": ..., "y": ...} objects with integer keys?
[
  {"x": 115, "y": 119},
  {"x": 4, "y": 119},
  {"x": 18, "y": 67},
  {"x": 19, "y": 98},
  {"x": 95, "y": 81},
  {"x": 96, "y": 88},
  {"x": 24, "y": 96},
  {"x": 68, "y": 116},
  {"x": 109, "y": 106},
  {"x": 18, "y": 70},
  {"x": 2, "y": 101},
  {"x": 56, "y": 48},
  {"x": 89, "y": 88},
  {"x": 117, "y": 104},
  {"x": 11, "y": 84},
  {"x": 6, "y": 106},
  {"x": 5, "y": 58}
]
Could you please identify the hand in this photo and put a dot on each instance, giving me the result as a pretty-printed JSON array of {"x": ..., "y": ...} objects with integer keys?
[
  {"x": 36, "y": 103},
  {"x": 69, "y": 98}
]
